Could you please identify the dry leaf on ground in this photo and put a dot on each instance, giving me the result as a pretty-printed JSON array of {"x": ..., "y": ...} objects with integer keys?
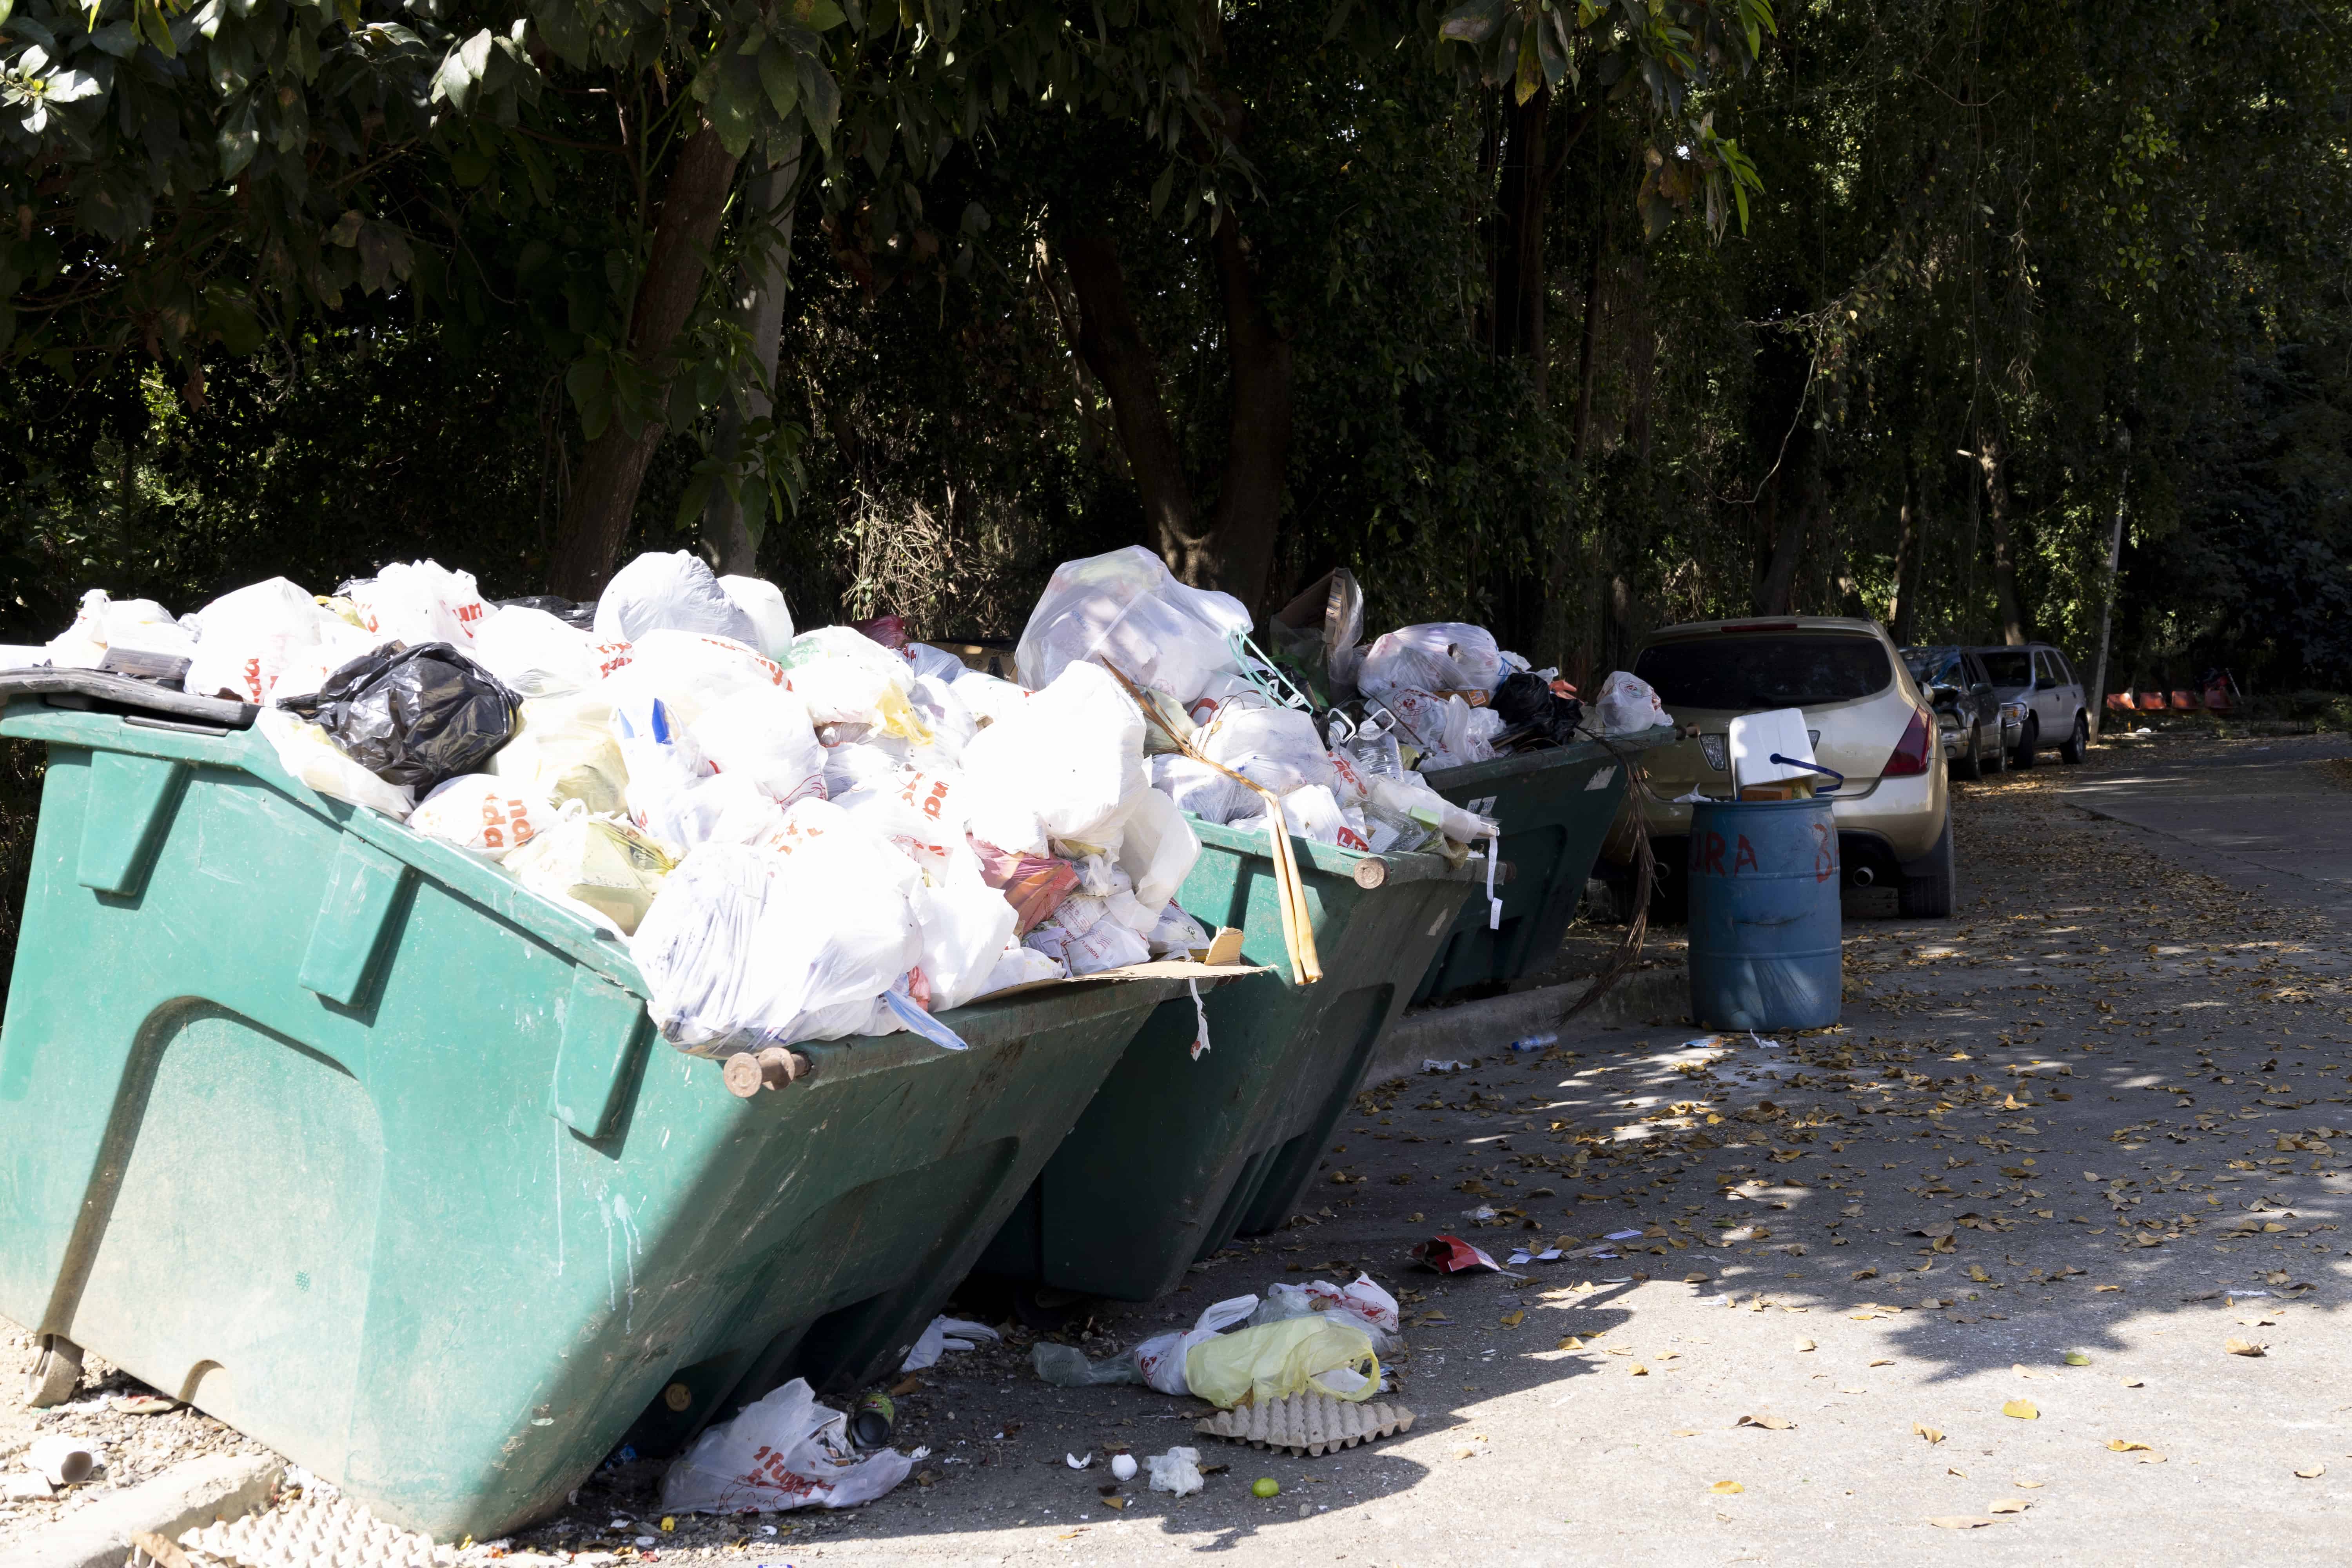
[
  {"x": 2008, "y": 1505},
  {"x": 1929, "y": 1432},
  {"x": 1959, "y": 1521},
  {"x": 2022, "y": 1409},
  {"x": 2243, "y": 1347},
  {"x": 2314, "y": 1473},
  {"x": 1726, "y": 1488},
  {"x": 1804, "y": 1344},
  {"x": 1769, "y": 1423}
]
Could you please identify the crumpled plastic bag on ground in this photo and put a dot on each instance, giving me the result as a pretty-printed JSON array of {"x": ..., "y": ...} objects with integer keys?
[
  {"x": 307, "y": 754},
  {"x": 1177, "y": 1470},
  {"x": 567, "y": 748},
  {"x": 675, "y": 591},
  {"x": 1361, "y": 1302},
  {"x": 944, "y": 1334},
  {"x": 1158, "y": 1361},
  {"x": 413, "y": 718},
  {"x": 1321, "y": 1353},
  {"x": 1628, "y": 705},
  {"x": 734, "y": 959},
  {"x": 491, "y": 817},
  {"x": 787, "y": 1451},
  {"x": 600, "y": 867},
  {"x": 1126, "y": 608},
  {"x": 418, "y": 602}
]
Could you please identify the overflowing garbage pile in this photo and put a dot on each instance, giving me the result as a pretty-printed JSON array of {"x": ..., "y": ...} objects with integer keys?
[{"x": 802, "y": 835}]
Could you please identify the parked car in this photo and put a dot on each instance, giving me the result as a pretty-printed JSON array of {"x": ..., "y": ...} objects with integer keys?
[
  {"x": 1976, "y": 732},
  {"x": 1868, "y": 720},
  {"x": 2038, "y": 689}
]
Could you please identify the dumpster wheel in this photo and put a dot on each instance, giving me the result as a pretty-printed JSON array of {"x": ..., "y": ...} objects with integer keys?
[
  {"x": 55, "y": 1372},
  {"x": 1047, "y": 1307}
]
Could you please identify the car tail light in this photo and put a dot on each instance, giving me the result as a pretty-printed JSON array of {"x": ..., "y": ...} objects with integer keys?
[{"x": 1910, "y": 756}]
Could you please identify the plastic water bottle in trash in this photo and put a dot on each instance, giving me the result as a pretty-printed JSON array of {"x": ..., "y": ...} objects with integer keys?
[{"x": 1536, "y": 1042}]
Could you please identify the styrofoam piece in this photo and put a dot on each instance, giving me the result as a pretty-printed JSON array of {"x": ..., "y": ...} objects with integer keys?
[
  {"x": 1755, "y": 737},
  {"x": 306, "y": 1532},
  {"x": 1307, "y": 1422}
]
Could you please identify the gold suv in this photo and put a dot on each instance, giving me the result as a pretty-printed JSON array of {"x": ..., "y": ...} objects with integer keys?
[{"x": 1868, "y": 721}]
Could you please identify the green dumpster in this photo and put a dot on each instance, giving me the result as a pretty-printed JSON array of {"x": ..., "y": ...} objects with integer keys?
[
  {"x": 1555, "y": 807},
  {"x": 339, "y": 1134},
  {"x": 1179, "y": 1154}
]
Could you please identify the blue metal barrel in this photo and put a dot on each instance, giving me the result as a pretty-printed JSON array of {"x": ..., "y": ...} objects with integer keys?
[{"x": 1764, "y": 949}]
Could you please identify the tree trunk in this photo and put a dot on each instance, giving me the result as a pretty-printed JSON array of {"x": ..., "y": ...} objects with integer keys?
[
  {"x": 1516, "y": 262},
  {"x": 1903, "y": 605},
  {"x": 2096, "y": 698},
  {"x": 1993, "y": 461},
  {"x": 1554, "y": 642},
  {"x": 1111, "y": 343},
  {"x": 733, "y": 523},
  {"x": 1240, "y": 550},
  {"x": 1775, "y": 596},
  {"x": 612, "y": 469}
]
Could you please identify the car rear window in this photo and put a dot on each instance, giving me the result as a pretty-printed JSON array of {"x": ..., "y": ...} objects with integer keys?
[
  {"x": 2008, "y": 668},
  {"x": 1749, "y": 671}
]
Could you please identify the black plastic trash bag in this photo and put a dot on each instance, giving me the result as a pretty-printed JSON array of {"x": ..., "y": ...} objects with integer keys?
[
  {"x": 412, "y": 716},
  {"x": 1533, "y": 714},
  {"x": 564, "y": 610}
]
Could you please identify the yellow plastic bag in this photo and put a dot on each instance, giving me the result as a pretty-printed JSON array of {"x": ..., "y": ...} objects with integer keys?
[
  {"x": 565, "y": 747},
  {"x": 1315, "y": 1353}
]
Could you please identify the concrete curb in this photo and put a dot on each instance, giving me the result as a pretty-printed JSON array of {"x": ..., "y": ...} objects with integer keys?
[
  {"x": 223, "y": 1487},
  {"x": 1477, "y": 1028}
]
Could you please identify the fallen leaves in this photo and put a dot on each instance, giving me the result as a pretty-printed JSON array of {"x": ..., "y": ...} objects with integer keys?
[
  {"x": 1959, "y": 1521},
  {"x": 2008, "y": 1505},
  {"x": 1769, "y": 1423},
  {"x": 2078, "y": 1358},
  {"x": 1572, "y": 1342},
  {"x": 1804, "y": 1344},
  {"x": 2148, "y": 1456},
  {"x": 2312, "y": 1474},
  {"x": 1726, "y": 1489},
  {"x": 2244, "y": 1347},
  {"x": 2021, "y": 1410},
  {"x": 1514, "y": 1318},
  {"x": 1929, "y": 1432}
]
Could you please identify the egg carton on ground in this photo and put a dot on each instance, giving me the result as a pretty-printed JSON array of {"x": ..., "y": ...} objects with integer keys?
[
  {"x": 1309, "y": 1422},
  {"x": 308, "y": 1533}
]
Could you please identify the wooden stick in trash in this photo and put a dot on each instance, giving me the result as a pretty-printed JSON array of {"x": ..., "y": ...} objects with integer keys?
[{"x": 1290, "y": 887}]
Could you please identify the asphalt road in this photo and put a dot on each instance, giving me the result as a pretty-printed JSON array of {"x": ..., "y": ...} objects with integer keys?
[{"x": 2064, "y": 1149}]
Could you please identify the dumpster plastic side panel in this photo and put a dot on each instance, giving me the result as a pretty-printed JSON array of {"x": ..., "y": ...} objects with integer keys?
[
  {"x": 1177, "y": 1155},
  {"x": 1555, "y": 808},
  {"x": 331, "y": 1136}
]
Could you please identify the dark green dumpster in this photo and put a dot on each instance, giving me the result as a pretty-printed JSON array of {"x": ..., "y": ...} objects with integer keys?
[
  {"x": 339, "y": 1134},
  {"x": 1179, "y": 1154},
  {"x": 1555, "y": 807}
]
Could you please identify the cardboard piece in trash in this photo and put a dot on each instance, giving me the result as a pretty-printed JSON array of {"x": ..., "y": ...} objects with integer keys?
[
  {"x": 1156, "y": 969},
  {"x": 1755, "y": 737}
]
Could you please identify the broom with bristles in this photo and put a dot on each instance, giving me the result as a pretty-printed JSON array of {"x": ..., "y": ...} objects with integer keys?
[{"x": 1290, "y": 889}]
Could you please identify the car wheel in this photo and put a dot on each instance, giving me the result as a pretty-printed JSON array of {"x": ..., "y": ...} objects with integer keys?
[
  {"x": 2023, "y": 756},
  {"x": 1926, "y": 892},
  {"x": 1973, "y": 766},
  {"x": 2075, "y": 744}
]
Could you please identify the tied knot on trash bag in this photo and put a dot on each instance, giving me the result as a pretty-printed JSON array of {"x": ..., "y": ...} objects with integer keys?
[{"x": 411, "y": 716}]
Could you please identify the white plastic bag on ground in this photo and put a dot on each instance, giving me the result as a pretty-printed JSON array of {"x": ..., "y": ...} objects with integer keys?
[
  {"x": 480, "y": 812},
  {"x": 1442, "y": 656},
  {"x": 601, "y": 867},
  {"x": 1627, "y": 705},
  {"x": 947, "y": 1334},
  {"x": 1361, "y": 1302},
  {"x": 246, "y": 639},
  {"x": 787, "y": 1451},
  {"x": 762, "y": 604},
  {"x": 305, "y": 752},
  {"x": 1126, "y": 608},
  {"x": 675, "y": 592},
  {"x": 418, "y": 602},
  {"x": 1276, "y": 747},
  {"x": 1177, "y": 1470},
  {"x": 757, "y": 946},
  {"x": 567, "y": 748},
  {"x": 535, "y": 654},
  {"x": 690, "y": 671},
  {"x": 1062, "y": 767},
  {"x": 763, "y": 732},
  {"x": 1160, "y": 1358}
]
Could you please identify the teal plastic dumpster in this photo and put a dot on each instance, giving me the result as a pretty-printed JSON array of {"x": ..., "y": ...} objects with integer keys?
[
  {"x": 1179, "y": 1154},
  {"x": 1555, "y": 807},
  {"x": 339, "y": 1134}
]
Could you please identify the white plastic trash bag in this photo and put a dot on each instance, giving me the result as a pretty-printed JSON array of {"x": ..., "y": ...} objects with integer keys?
[
  {"x": 1177, "y": 934},
  {"x": 1442, "y": 656},
  {"x": 1275, "y": 747},
  {"x": 690, "y": 671},
  {"x": 307, "y": 752},
  {"x": 936, "y": 662},
  {"x": 487, "y": 814},
  {"x": 847, "y": 678},
  {"x": 104, "y": 623},
  {"x": 675, "y": 591},
  {"x": 567, "y": 748},
  {"x": 1157, "y": 848},
  {"x": 1313, "y": 812},
  {"x": 965, "y": 926},
  {"x": 1160, "y": 1359},
  {"x": 418, "y": 602},
  {"x": 601, "y": 868},
  {"x": 1126, "y": 608},
  {"x": 751, "y": 946},
  {"x": 763, "y": 603},
  {"x": 990, "y": 699},
  {"x": 764, "y": 732},
  {"x": 1062, "y": 767},
  {"x": 1210, "y": 793},
  {"x": 1627, "y": 705},
  {"x": 785, "y": 1452},
  {"x": 245, "y": 640},
  {"x": 536, "y": 654}
]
